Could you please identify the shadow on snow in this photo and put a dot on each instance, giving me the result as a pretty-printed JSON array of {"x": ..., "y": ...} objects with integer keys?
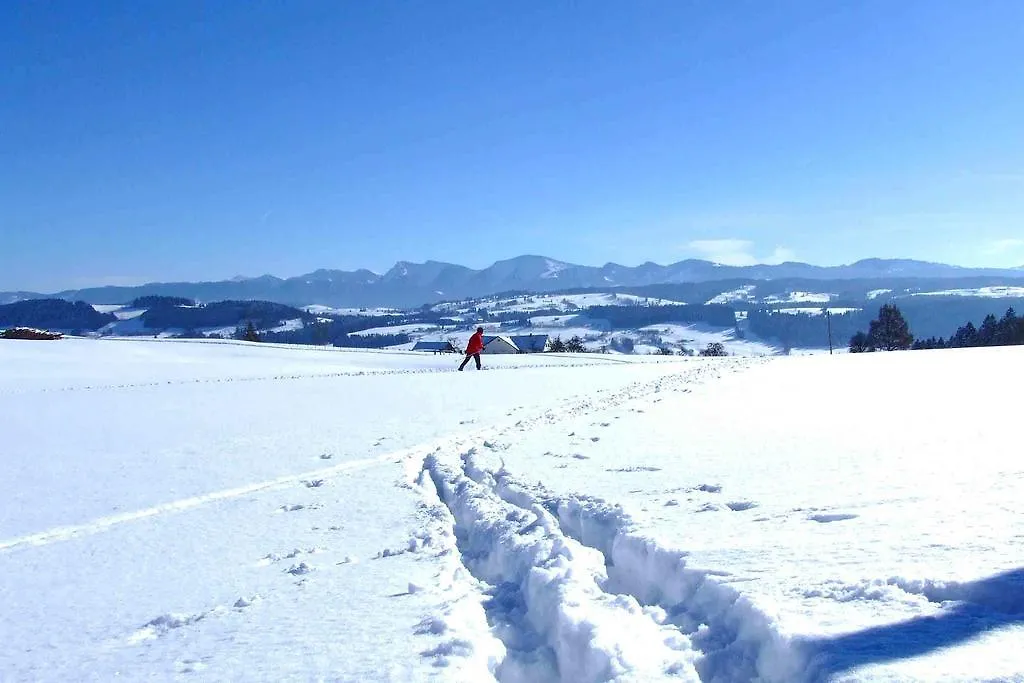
[{"x": 981, "y": 606}]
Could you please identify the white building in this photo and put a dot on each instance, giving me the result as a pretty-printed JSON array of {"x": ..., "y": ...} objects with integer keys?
[{"x": 499, "y": 344}]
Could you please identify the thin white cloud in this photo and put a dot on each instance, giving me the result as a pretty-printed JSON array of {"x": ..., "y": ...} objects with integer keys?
[{"x": 737, "y": 252}]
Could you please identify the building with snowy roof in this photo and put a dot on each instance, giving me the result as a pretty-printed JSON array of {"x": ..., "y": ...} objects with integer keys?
[
  {"x": 499, "y": 344},
  {"x": 530, "y": 343},
  {"x": 435, "y": 346}
]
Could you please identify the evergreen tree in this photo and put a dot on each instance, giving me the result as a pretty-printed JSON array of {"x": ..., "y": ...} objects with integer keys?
[
  {"x": 714, "y": 349},
  {"x": 988, "y": 331},
  {"x": 250, "y": 333},
  {"x": 575, "y": 344},
  {"x": 930, "y": 343},
  {"x": 890, "y": 331},
  {"x": 965, "y": 337},
  {"x": 1006, "y": 329},
  {"x": 556, "y": 345}
]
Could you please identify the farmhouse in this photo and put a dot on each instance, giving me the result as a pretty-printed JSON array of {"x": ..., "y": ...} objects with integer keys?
[
  {"x": 499, "y": 344},
  {"x": 530, "y": 343},
  {"x": 435, "y": 347}
]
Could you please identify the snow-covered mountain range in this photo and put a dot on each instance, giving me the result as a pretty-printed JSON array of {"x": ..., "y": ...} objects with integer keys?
[{"x": 412, "y": 284}]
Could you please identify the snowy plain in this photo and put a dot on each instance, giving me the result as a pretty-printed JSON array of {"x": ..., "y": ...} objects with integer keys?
[{"x": 184, "y": 510}]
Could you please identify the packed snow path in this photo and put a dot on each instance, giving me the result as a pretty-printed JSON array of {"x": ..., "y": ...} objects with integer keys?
[{"x": 351, "y": 516}]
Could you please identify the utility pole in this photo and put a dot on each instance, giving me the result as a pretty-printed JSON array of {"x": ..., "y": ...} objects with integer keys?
[{"x": 828, "y": 317}]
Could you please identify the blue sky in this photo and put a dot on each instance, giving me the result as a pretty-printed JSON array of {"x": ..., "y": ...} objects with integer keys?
[{"x": 146, "y": 140}]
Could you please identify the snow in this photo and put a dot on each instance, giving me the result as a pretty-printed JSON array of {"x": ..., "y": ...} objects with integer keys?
[
  {"x": 815, "y": 310},
  {"x": 697, "y": 336},
  {"x": 987, "y": 292},
  {"x": 286, "y": 326},
  {"x": 799, "y": 298},
  {"x": 401, "y": 329},
  {"x": 122, "y": 311},
  {"x": 245, "y": 511},
  {"x": 553, "y": 268},
  {"x": 318, "y": 309},
  {"x": 875, "y": 293},
  {"x": 744, "y": 293},
  {"x": 561, "y": 302}
]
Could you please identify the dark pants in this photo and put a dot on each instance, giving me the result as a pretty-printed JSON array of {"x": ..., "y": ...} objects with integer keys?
[{"x": 474, "y": 356}]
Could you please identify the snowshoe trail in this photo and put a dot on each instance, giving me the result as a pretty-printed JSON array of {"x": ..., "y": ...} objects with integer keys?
[{"x": 574, "y": 592}]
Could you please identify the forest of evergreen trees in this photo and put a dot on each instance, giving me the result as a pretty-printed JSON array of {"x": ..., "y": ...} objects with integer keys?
[
  {"x": 156, "y": 301},
  {"x": 53, "y": 314},
  {"x": 929, "y": 318},
  {"x": 891, "y": 332},
  {"x": 262, "y": 314},
  {"x": 1005, "y": 331},
  {"x": 337, "y": 332}
]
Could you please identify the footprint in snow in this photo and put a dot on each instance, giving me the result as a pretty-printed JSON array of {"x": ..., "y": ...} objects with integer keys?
[
  {"x": 300, "y": 569},
  {"x": 833, "y": 517},
  {"x": 580, "y": 456},
  {"x": 297, "y": 507},
  {"x": 243, "y": 602},
  {"x": 326, "y": 456},
  {"x": 635, "y": 468},
  {"x": 314, "y": 483},
  {"x": 741, "y": 505},
  {"x": 268, "y": 559},
  {"x": 189, "y": 666},
  {"x": 595, "y": 439}
]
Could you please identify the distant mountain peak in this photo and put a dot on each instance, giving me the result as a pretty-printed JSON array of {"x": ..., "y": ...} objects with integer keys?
[{"x": 411, "y": 284}]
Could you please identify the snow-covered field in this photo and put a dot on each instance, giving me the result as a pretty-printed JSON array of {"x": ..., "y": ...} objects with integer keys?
[
  {"x": 317, "y": 309},
  {"x": 560, "y": 302},
  {"x": 799, "y": 298},
  {"x": 807, "y": 310},
  {"x": 745, "y": 293},
  {"x": 986, "y": 292},
  {"x": 229, "y": 511},
  {"x": 697, "y": 336}
]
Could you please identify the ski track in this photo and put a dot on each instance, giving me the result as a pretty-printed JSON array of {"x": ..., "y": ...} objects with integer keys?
[
  {"x": 529, "y": 584},
  {"x": 408, "y": 455},
  {"x": 66, "y": 533},
  {"x": 573, "y": 591}
]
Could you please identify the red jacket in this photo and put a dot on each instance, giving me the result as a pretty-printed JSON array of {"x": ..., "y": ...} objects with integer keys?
[{"x": 476, "y": 344}]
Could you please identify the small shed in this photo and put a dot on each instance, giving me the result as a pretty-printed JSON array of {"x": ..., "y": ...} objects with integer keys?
[
  {"x": 435, "y": 347},
  {"x": 499, "y": 344},
  {"x": 530, "y": 343}
]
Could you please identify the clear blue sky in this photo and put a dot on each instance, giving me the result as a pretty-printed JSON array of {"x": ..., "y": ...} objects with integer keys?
[{"x": 147, "y": 140}]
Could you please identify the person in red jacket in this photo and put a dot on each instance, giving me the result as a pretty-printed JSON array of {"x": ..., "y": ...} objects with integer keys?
[{"x": 476, "y": 345}]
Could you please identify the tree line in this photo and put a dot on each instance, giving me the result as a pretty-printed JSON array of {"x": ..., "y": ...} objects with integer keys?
[
  {"x": 55, "y": 314},
  {"x": 890, "y": 332}
]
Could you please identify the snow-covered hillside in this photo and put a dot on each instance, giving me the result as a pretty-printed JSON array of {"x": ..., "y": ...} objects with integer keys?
[
  {"x": 985, "y": 292},
  {"x": 532, "y": 303},
  {"x": 573, "y": 319},
  {"x": 232, "y": 511}
]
